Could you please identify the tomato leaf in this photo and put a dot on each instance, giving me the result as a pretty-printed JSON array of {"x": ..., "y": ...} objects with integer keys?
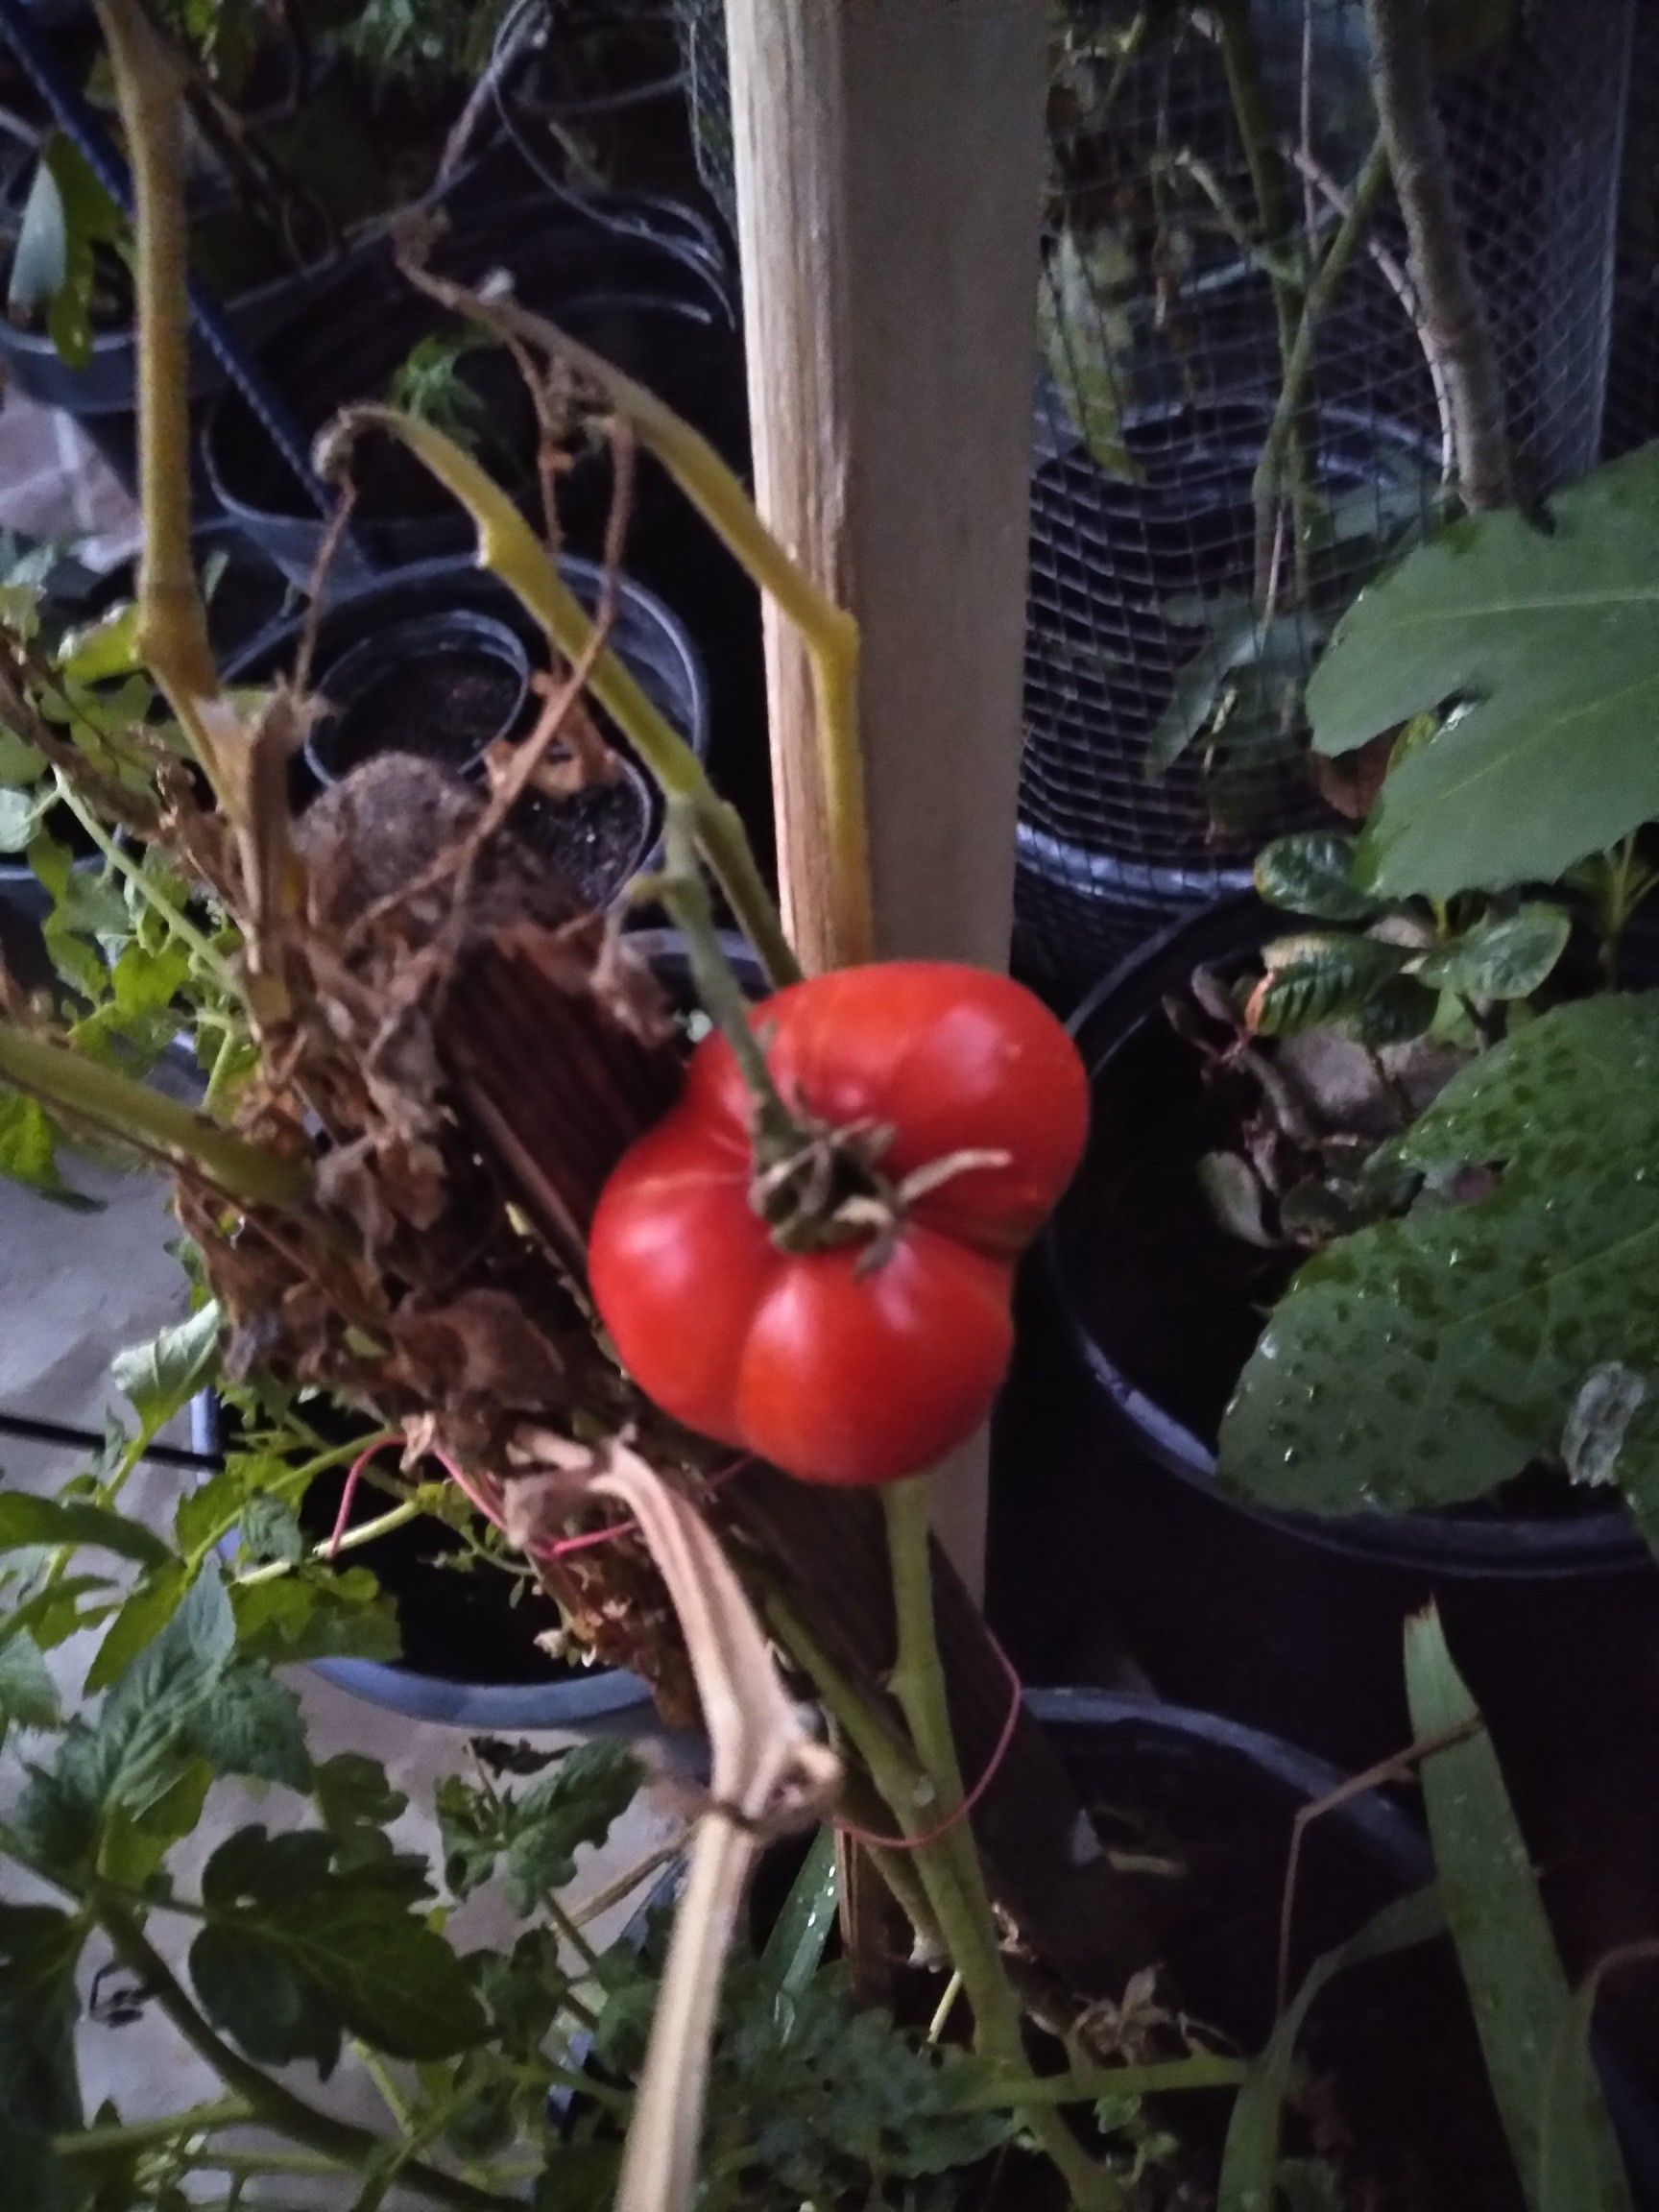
[
  {"x": 1425, "y": 1360},
  {"x": 1547, "y": 644},
  {"x": 27, "y": 1694},
  {"x": 39, "y": 1950},
  {"x": 536, "y": 1835},
  {"x": 296, "y": 1953},
  {"x": 1517, "y": 1990},
  {"x": 28, "y": 1520},
  {"x": 162, "y": 1376}
]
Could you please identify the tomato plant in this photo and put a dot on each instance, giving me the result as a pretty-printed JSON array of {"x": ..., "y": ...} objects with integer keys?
[{"x": 829, "y": 1286}]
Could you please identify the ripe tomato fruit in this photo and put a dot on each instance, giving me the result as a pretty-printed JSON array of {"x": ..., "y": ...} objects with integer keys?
[{"x": 846, "y": 1318}]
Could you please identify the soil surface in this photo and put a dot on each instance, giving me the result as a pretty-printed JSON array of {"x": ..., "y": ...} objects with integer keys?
[
  {"x": 445, "y": 707},
  {"x": 594, "y": 839}
]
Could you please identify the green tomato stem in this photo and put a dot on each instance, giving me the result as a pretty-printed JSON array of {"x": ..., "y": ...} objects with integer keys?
[
  {"x": 180, "y": 924},
  {"x": 149, "y": 2134}
]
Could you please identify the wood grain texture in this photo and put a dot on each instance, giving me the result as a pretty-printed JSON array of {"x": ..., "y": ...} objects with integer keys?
[{"x": 889, "y": 160}]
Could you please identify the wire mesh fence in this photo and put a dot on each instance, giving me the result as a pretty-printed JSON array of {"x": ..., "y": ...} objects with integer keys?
[{"x": 1241, "y": 413}]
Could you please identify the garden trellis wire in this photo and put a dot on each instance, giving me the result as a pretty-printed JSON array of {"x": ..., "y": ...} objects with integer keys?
[{"x": 1203, "y": 161}]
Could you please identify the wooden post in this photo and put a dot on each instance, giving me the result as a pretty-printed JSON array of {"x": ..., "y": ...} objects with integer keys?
[{"x": 889, "y": 158}]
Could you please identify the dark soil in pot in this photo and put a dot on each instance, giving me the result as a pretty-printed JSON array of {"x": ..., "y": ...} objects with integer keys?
[
  {"x": 598, "y": 837},
  {"x": 1111, "y": 1533}
]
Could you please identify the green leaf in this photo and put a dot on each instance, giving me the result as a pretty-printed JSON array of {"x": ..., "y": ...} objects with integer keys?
[
  {"x": 21, "y": 814},
  {"x": 146, "y": 1611},
  {"x": 251, "y": 1726},
  {"x": 1518, "y": 1992},
  {"x": 795, "y": 1948},
  {"x": 356, "y": 1805},
  {"x": 297, "y": 1953},
  {"x": 132, "y": 1755},
  {"x": 271, "y": 1531},
  {"x": 162, "y": 1376},
  {"x": 28, "y": 1520},
  {"x": 1503, "y": 956},
  {"x": 1311, "y": 872},
  {"x": 39, "y": 1949},
  {"x": 1250, "y": 2158},
  {"x": 1548, "y": 644},
  {"x": 1080, "y": 334},
  {"x": 317, "y": 1613},
  {"x": 1425, "y": 1360},
  {"x": 29, "y": 1153},
  {"x": 1263, "y": 661},
  {"x": 67, "y": 216},
  {"x": 28, "y": 1694},
  {"x": 538, "y": 1834},
  {"x": 1319, "y": 978}
]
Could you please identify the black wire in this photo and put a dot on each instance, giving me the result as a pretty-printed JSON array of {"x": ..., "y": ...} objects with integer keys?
[{"x": 39, "y": 1432}]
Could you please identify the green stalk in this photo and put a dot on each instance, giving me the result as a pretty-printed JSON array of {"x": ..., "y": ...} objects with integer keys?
[
  {"x": 269, "y": 2103},
  {"x": 950, "y": 1867},
  {"x": 508, "y": 548},
  {"x": 1159, "y": 2078},
  {"x": 1368, "y": 189},
  {"x": 118, "y": 1107},
  {"x": 152, "y": 2134},
  {"x": 383, "y": 1524}
]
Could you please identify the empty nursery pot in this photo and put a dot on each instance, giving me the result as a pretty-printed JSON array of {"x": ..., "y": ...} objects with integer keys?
[
  {"x": 443, "y": 685},
  {"x": 1111, "y": 1524},
  {"x": 479, "y": 649}
]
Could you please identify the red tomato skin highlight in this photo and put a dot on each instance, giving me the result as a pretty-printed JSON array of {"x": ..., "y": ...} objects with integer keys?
[
  {"x": 857, "y": 1364},
  {"x": 853, "y": 1380}
]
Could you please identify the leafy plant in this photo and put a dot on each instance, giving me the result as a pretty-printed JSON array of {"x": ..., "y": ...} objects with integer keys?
[
  {"x": 68, "y": 218},
  {"x": 1533, "y": 643},
  {"x": 1427, "y": 1359},
  {"x": 429, "y": 385}
]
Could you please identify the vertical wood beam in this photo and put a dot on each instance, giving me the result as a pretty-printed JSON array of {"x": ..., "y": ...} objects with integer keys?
[{"x": 889, "y": 160}]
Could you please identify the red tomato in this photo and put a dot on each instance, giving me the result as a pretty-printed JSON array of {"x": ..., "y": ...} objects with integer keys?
[{"x": 870, "y": 1358}]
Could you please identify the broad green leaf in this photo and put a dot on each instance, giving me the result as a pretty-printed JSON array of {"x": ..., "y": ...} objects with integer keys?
[
  {"x": 28, "y": 1694},
  {"x": 1517, "y": 1990},
  {"x": 162, "y": 1376},
  {"x": 1319, "y": 978},
  {"x": 39, "y": 1948},
  {"x": 132, "y": 1753},
  {"x": 105, "y": 648},
  {"x": 296, "y": 1953},
  {"x": 1425, "y": 1360},
  {"x": 1548, "y": 644},
  {"x": 1250, "y": 2158},
  {"x": 1503, "y": 956},
  {"x": 271, "y": 1531},
  {"x": 356, "y": 1804},
  {"x": 251, "y": 1726},
  {"x": 67, "y": 216},
  {"x": 28, "y": 1520},
  {"x": 1311, "y": 872},
  {"x": 795, "y": 1948},
  {"x": 145, "y": 1612}
]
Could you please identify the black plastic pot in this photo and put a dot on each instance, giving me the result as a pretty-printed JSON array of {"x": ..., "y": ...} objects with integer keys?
[
  {"x": 445, "y": 686},
  {"x": 470, "y": 1659},
  {"x": 1112, "y": 1534},
  {"x": 1219, "y": 1800},
  {"x": 603, "y": 835},
  {"x": 650, "y": 309}
]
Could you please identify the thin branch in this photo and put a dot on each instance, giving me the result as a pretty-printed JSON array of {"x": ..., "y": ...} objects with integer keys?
[
  {"x": 1451, "y": 308},
  {"x": 58, "y": 1076},
  {"x": 1299, "y": 364}
]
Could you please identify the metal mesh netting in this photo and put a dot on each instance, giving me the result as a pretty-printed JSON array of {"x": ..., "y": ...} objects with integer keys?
[{"x": 1199, "y": 517}]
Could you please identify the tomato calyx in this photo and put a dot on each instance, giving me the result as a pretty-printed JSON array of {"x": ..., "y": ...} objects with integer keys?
[{"x": 822, "y": 1185}]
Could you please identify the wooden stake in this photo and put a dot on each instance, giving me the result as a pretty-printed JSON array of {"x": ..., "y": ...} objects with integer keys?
[{"x": 889, "y": 158}]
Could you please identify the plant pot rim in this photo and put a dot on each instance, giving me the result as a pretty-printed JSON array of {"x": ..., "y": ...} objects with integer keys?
[
  {"x": 426, "y": 638},
  {"x": 1422, "y": 1542},
  {"x": 476, "y": 1707}
]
